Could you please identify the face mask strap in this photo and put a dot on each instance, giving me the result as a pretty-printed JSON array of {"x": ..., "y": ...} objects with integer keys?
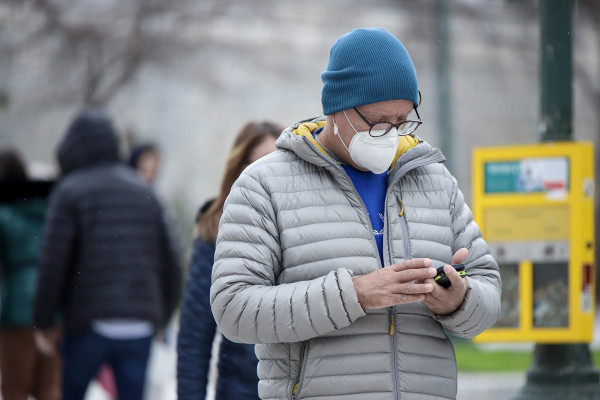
[{"x": 336, "y": 132}]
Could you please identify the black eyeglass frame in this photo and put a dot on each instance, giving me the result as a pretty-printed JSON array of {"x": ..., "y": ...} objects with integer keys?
[{"x": 390, "y": 125}]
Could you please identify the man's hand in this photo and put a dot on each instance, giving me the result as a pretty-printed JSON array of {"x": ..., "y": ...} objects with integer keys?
[
  {"x": 404, "y": 282},
  {"x": 47, "y": 341},
  {"x": 445, "y": 301}
]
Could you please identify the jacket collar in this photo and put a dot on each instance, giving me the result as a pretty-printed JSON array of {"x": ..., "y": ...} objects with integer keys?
[{"x": 410, "y": 154}]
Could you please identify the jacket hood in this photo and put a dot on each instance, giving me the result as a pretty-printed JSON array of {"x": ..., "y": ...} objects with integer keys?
[
  {"x": 299, "y": 139},
  {"x": 90, "y": 140}
]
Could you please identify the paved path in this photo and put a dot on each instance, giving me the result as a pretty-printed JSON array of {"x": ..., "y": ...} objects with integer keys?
[{"x": 489, "y": 386}]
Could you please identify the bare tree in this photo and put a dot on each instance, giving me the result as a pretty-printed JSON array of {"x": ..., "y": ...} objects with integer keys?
[{"x": 101, "y": 46}]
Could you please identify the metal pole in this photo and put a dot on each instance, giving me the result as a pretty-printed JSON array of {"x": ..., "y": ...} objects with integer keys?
[
  {"x": 558, "y": 371},
  {"x": 555, "y": 71},
  {"x": 442, "y": 65}
]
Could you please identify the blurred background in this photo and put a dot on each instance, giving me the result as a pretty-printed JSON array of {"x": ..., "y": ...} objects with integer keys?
[{"x": 187, "y": 75}]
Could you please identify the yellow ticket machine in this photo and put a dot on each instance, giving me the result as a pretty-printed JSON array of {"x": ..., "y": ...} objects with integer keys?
[{"x": 535, "y": 206}]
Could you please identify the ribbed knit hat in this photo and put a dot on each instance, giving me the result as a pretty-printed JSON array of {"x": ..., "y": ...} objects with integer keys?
[{"x": 367, "y": 66}]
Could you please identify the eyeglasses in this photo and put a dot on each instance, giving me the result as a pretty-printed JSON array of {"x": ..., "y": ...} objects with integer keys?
[{"x": 381, "y": 128}]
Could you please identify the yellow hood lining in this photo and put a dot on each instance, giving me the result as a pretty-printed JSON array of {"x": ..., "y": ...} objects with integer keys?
[
  {"x": 405, "y": 143},
  {"x": 307, "y": 129}
]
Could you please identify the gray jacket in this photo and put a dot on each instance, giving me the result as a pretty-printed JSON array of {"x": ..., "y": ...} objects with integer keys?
[{"x": 293, "y": 234}]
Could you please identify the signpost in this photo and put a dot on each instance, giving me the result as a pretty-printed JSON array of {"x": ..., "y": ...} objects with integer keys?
[{"x": 534, "y": 204}]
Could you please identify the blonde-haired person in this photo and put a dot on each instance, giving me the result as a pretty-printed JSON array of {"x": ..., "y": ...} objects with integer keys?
[{"x": 237, "y": 377}]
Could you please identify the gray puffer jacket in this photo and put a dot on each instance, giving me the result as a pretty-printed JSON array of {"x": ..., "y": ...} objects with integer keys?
[{"x": 293, "y": 234}]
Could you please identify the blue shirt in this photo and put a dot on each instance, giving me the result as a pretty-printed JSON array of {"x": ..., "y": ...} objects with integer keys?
[{"x": 371, "y": 188}]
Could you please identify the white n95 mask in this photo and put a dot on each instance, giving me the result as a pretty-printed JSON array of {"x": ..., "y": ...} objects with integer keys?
[{"x": 372, "y": 153}]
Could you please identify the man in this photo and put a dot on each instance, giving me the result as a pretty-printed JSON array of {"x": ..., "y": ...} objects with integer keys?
[
  {"x": 307, "y": 229},
  {"x": 108, "y": 265}
]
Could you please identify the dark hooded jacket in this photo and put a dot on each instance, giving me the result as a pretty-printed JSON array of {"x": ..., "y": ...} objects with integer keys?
[
  {"x": 237, "y": 378},
  {"x": 107, "y": 251}
]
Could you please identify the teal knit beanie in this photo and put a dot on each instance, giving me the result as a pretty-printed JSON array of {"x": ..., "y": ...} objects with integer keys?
[{"x": 367, "y": 66}]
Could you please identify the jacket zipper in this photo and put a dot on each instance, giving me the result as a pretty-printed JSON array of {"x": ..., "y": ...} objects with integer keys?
[
  {"x": 391, "y": 313},
  {"x": 298, "y": 384},
  {"x": 392, "y": 332},
  {"x": 404, "y": 228},
  {"x": 392, "y": 310}
]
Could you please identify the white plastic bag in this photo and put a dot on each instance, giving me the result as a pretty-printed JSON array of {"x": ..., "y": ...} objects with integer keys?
[{"x": 161, "y": 381}]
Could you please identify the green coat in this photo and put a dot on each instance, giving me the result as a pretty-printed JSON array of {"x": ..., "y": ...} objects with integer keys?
[{"x": 21, "y": 225}]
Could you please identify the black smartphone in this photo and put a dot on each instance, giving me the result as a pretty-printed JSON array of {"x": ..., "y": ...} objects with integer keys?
[{"x": 441, "y": 278}]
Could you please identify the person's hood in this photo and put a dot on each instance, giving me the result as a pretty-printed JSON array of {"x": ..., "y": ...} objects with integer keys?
[
  {"x": 299, "y": 139},
  {"x": 90, "y": 140}
]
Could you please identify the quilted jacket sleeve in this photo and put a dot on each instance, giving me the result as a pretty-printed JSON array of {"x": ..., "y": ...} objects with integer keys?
[
  {"x": 247, "y": 303},
  {"x": 196, "y": 327},
  {"x": 171, "y": 273},
  {"x": 481, "y": 307}
]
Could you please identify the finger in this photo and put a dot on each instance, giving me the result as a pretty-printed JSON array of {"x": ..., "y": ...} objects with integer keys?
[
  {"x": 431, "y": 281},
  {"x": 411, "y": 264},
  {"x": 438, "y": 291},
  {"x": 452, "y": 274},
  {"x": 413, "y": 288},
  {"x": 407, "y": 298},
  {"x": 413, "y": 275},
  {"x": 460, "y": 256}
]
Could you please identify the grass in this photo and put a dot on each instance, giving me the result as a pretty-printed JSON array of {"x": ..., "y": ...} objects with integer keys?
[{"x": 470, "y": 358}]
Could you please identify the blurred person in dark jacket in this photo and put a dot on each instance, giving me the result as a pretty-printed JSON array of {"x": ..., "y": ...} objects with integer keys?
[
  {"x": 108, "y": 264},
  {"x": 24, "y": 369},
  {"x": 237, "y": 378},
  {"x": 145, "y": 159}
]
